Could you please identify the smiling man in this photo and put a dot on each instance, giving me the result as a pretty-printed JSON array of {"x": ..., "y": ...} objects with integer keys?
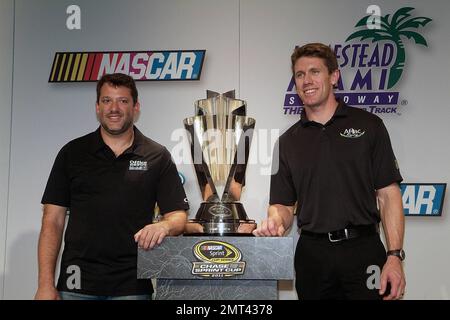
[
  {"x": 339, "y": 176},
  {"x": 110, "y": 181}
]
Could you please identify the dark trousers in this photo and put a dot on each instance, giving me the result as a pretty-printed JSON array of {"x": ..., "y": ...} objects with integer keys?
[{"x": 341, "y": 270}]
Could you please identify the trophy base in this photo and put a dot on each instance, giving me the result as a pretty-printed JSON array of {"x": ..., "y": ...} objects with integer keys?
[
  {"x": 218, "y": 235},
  {"x": 221, "y": 219},
  {"x": 231, "y": 228}
]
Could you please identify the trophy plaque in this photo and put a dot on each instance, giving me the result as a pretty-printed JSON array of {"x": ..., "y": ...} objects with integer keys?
[{"x": 220, "y": 135}]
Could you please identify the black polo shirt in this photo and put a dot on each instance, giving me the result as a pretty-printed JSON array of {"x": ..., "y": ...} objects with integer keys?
[
  {"x": 333, "y": 170},
  {"x": 110, "y": 199}
]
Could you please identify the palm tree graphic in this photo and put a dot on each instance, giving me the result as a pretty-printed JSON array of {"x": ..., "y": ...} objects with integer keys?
[{"x": 392, "y": 31}]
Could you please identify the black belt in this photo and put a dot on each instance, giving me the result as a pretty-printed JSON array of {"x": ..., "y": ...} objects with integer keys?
[{"x": 344, "y": 234}]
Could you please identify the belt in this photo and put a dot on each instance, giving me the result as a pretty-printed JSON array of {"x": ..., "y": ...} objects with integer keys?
[{"x": 344, "y": 234}]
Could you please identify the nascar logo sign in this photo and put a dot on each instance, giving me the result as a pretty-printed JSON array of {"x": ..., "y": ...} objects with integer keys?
[
  {"x": 140, "y": 65},
  {"x": 423, "y": 199}
]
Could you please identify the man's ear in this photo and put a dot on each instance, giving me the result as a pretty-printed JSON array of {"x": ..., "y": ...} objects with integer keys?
[
  {"x": 137, "y": 111},
  {"x": 335, "y": 77}
]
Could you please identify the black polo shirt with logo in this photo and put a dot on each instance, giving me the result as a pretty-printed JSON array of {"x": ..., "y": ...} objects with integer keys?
[
  {"x": 332, "y": 171},
  {"x": 110, "y": 198}
]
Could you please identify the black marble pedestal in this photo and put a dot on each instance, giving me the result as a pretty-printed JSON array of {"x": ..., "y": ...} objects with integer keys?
[{"x": 216, "y": 268}]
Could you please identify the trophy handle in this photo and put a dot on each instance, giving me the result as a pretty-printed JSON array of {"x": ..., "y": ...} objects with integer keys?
[
  {"x": 215, "y": 196},
  {"x": 249, "y": 124}
]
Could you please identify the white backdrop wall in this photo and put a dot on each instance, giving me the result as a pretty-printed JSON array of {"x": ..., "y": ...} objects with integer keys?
[
  {"x": 6, "y": 63},
  {"x": 248, "y": 44}
]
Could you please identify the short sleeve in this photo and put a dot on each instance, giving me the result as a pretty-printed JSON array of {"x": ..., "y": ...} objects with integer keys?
[
  {"x": 57, "y": 190},
  {"x": 385, "y": 167},
  {"x": 282, "y": 189}
]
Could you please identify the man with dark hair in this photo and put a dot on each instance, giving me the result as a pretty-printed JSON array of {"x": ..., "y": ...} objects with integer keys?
[
  {"x": 338, "y": 172},
  {"x": 109, "y": 181}
]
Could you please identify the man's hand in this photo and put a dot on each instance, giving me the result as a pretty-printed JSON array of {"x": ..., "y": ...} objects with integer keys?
[
  {"x": 246, "y": 227},
  {"x": 270, "y": 227},
  {"x": 279, "y": 219},
  {"x": 151, "y": 235},
  {"x": 393, "y": 274},
  {"x": 47, "y": 293},
  {"x": 172, "y": 224}
]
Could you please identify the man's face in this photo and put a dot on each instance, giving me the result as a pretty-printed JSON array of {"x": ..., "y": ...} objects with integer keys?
[
  {"x": 313, "y": 81},
  {"x": 115, "y": 110}
]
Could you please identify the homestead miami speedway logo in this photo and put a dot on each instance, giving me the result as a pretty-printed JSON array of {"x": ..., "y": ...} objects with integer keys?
[
  {"x": 140, "y": 65},
  {"x": 371, "y": 68}
]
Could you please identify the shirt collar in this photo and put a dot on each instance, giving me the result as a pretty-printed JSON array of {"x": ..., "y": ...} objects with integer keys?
[
  {"x": 136, "y": 147},
  {"x": 138, "y": 143},
  {"x": 341, "y": 111}
]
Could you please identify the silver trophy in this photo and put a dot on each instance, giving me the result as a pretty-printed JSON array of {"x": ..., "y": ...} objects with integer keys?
[{"x": 220, "y": 134}]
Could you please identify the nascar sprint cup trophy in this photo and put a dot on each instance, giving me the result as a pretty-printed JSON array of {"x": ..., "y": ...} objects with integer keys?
[{"x": 220, "y": 134}]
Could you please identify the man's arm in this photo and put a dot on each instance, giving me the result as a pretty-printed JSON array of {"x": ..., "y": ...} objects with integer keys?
[
  {"x": 172, "y": 224},
  {"x": 48, "y": 249},
  {"x": 393, "y": 220},
  {"x": 279, "y": 219}
]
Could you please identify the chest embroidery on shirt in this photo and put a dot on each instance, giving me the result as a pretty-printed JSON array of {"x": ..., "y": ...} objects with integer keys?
[
  {"x": 352, "y": 133},
  {"x": 136, "y": 165}
]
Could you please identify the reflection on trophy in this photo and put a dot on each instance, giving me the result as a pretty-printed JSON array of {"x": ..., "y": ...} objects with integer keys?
[{"x": 220, "y": 134}]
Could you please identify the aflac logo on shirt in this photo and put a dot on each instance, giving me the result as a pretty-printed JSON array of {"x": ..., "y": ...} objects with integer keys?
[
  {"x": 138, "y": 165},
  {"x": 370, "y": 71},
  {"x": 352, "y": 133}
]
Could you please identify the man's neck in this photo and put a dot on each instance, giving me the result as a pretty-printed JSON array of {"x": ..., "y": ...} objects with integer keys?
[
  {"x": 118, "y": 143},
  {"x": 323, "y": 113}
]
